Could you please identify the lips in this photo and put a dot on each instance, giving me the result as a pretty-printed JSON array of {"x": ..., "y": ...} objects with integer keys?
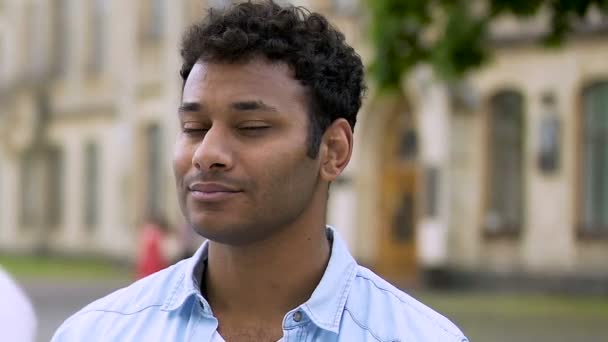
[
  {"x": 211, "y": 192},
  {"x": 211, "y": 187}
]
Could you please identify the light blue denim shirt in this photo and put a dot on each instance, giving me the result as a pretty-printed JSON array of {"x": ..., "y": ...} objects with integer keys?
[{"x": 350, "y": 304}]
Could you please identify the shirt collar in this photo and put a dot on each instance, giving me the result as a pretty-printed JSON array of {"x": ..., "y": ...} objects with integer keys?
[
  {"x": 188, "y": 283},
  {"x": 324, "y": 307}
]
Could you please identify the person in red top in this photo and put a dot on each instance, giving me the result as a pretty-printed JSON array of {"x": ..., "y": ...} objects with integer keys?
[{"x": 151, "y": 256}]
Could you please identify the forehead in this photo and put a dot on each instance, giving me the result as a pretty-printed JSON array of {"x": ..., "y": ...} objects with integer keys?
[{"x": 257, "y": 79}]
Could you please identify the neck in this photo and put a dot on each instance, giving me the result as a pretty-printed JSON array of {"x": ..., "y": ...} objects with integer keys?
[{"x": 269, "y": 278}]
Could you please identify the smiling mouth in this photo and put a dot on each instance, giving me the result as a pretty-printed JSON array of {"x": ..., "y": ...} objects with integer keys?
[{"x": 211, "y": 192}]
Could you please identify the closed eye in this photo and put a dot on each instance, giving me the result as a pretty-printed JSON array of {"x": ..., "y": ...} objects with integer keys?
[
  {"x": 194, "y": 130},
  {"x": 253, "y": 128}
]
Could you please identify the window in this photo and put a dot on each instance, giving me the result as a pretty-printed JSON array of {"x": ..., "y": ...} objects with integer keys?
[
  {"x": 1, "y": 194},
  {"x": 432, "y": 191},
  {"x": 346, "y": 7},
  {"x": 219, "y": 4},
  {"x": 61, "y": 36},
  {"x": 27, "y": 188},
  {"x": 595, "y": 160},
  {"x": 98, "y": 18},
  {"x": 55, "y": 184},
  {"x": 404, "y": 221},
  {"x": 504, "y": 211},
  {"x": 408, "y": 145},
  {"x": 30, "y": 34},
  {"x": 41, "y": 188},
  {"x": 91, "y": 185},
  {"x": 155, "y": 167},
  {"x": 3, "y": 51},
  {"x": 152, "y": 17}
]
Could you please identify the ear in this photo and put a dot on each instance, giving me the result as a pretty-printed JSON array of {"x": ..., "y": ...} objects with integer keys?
[{"x": 337, "y": 148}]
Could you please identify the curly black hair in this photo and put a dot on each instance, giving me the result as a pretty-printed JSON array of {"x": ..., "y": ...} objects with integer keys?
[{"x": 316, "y": 51}]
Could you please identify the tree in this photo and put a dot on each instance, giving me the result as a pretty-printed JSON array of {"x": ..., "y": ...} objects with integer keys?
[{"x": 453, "y": 35}]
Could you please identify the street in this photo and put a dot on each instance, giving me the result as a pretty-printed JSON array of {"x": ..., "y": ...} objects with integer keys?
[{"x": 55, "y": 300}]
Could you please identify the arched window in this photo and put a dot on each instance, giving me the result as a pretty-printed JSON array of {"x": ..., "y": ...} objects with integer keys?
[
  {"x": 594, "y": 175},
  {"x": 505, "y": 194}
]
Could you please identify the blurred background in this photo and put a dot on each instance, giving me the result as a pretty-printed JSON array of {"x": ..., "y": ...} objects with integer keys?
[{"x": 483, "y": 193}]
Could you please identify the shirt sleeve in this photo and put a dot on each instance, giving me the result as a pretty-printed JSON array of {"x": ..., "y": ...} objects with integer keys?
[{"x": 72, "y": 330}]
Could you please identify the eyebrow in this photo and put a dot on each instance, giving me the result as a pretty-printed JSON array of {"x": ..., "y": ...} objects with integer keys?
[
  {"x": 190, "y": 107},
  {"x": 252, "y": 106},
  {"x": 240, "y": 106}
]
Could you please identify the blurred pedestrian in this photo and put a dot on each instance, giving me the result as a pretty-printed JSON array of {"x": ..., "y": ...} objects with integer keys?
[
  {"x": 269, "y": 103},
  {"x": 17, "y": 318},
  {"x": 151, "y": 254}
]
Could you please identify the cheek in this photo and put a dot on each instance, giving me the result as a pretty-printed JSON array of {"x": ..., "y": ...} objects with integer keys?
[
  {"x": 182, "y": 158},
  {"x": 290, "y": 172}
]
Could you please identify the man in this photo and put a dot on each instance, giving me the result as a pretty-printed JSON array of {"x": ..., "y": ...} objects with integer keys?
[
  {"x": 17, "y": 317},
  {"x": 269, "y": 103}
]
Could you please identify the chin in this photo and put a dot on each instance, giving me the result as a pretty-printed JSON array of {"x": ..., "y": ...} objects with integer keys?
[{"x": 228, "y": 233}]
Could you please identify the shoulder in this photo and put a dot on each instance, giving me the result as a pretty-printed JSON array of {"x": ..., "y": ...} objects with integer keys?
[
  {"x": 143, "y": 296},
  {"x": 389, "y": 314}
]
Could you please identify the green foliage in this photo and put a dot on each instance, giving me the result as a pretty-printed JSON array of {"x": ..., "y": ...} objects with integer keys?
[
  {"x": 397, "y": 30},
  {"x": 452, "y": 35},
  {"x": 460, "y": 46}
]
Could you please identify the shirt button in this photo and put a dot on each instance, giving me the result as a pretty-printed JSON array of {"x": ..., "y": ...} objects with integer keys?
[{"x": 297, "y": 316}]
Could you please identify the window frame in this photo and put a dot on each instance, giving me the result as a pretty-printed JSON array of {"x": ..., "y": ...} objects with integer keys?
[
  {"x": 582, "y": 229},
  {"x": 506, "y": 231}
]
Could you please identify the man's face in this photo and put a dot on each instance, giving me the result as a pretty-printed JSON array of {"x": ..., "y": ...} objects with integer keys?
[{"x": 240, "y": 162}]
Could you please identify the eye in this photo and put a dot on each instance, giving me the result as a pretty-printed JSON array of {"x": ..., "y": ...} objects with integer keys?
[
  {"x": 253, "y": 128},
  {"x": 193, "y": 129}
]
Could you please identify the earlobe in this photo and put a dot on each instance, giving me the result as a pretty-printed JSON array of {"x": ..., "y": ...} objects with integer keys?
[{"x": 337, "y": 149}]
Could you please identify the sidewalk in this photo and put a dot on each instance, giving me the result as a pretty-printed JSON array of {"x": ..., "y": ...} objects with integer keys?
[
  {"x": 523, "y": 318},
  {"x": 55, "y": 300}
]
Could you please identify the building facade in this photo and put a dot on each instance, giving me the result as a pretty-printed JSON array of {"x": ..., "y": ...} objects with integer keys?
[
  {"x": 505, "y": 173},
  {"x": 89, "y": 93},
  {"x": 500, "y": 177}
]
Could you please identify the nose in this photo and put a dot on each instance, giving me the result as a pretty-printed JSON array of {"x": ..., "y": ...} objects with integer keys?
[{"x": 213, "y": 152}]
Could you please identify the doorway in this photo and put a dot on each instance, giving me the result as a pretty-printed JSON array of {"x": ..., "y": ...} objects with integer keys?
[{"x": 399, "y": 200}]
